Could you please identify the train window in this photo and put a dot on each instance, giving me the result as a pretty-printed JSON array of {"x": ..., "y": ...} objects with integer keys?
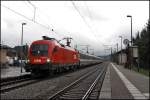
[
  {"x": 39, "y": 49},
  {"x": 55, "y": 49}
]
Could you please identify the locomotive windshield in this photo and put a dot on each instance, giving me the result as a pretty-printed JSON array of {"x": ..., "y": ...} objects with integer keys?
[{"x": 39, "y": 49}]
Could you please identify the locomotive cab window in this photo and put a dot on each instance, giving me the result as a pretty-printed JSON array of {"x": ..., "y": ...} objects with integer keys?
[
  {"x": 39, "y": 49},
  {"x": 55, "y": 49}
]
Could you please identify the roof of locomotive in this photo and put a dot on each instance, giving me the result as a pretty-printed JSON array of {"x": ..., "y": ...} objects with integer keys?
[
  {"x": 42, "y": 41},
  {"x": 49, "y": 41}
]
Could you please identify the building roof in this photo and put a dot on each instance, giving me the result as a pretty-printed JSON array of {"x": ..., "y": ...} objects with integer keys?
[{"x": 4, "y": 46}]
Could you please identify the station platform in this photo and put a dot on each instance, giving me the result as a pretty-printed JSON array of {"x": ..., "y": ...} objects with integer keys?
[
  {"x": 122, "y": 83},
  {"x": 12, "y": 71}
]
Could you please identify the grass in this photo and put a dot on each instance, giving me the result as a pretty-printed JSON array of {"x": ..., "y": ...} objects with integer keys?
[{"x": 142, "y": 71}]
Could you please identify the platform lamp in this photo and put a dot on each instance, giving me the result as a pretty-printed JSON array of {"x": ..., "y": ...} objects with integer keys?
[
  {"x": 131, "y": 40},
  {"x": 22, "y": 45}
]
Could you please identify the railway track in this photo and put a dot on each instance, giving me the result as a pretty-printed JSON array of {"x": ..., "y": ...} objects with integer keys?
[
  {"x": 84, "y": 87},
  {"x": 5, "y": 87},
  {"x": 11, "y": 79},
  {"x": 14, "y": 81},
  {"x": 17, "y": 82}
]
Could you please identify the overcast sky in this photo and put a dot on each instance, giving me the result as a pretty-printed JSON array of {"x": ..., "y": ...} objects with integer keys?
[{"x": 94, "y": 23}]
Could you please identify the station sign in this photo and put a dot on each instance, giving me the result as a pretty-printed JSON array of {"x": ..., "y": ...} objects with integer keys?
[{"x": 126, "y": 41}]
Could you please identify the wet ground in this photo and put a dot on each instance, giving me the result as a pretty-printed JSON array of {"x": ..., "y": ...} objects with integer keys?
[{"x": 12, "y": 71}]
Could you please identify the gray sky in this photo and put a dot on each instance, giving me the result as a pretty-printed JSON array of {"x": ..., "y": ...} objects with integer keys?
[{"x": 95, "y": 23}]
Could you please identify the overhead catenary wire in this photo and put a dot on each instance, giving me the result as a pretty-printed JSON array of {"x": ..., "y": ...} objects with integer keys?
[
  {"x": 44, "y": 26},
  {"x": 41, "y": 12},
  {"x": 34, "y": 9},
  {"x": 76, "y": 8},
  {"x": 25, "y": 17},
  {"x": 89, "y": 13},
  {"x": 81, "y": 15}
]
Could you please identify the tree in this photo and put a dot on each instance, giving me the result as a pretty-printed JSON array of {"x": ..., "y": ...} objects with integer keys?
[{"x": 142, "y": 41}]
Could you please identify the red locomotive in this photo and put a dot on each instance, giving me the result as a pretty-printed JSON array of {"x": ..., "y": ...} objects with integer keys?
[{"x": 49, "y": 56}]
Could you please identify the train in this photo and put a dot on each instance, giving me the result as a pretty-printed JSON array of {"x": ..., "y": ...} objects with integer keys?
[{"x": 49, "y": 55}]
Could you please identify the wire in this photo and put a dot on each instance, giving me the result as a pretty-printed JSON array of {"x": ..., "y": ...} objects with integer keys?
[
  {"x": 84, "y": 20},
  {"x": 34, "y": 9},
  {"x": 90, "y": 16},
  {"x": 80, "y": 14},
  {"x": 31, "y": 19},
  {"x": 41, "y": 12},
  {"x": 25, "y": 17}
]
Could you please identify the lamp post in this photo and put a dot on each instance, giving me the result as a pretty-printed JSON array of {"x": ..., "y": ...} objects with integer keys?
[
  {"x": 121, "y": 48},
  {"x": 22, "y": 45},
  {"x": 117, "y": 54},
  {"x": 117, "y": 47},
  {"x": 131, "y": 27},
  {"x": 131, "y": 40}
]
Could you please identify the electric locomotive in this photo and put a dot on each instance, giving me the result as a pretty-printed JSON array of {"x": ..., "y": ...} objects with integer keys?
[{"x": 48, "y": 56}]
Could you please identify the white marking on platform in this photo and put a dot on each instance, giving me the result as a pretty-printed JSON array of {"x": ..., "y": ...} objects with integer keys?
[
  {"x": 132, "y": 89},
  {"x": 146, "y": 94}
]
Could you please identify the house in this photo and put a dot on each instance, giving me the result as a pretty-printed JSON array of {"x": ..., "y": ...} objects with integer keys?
[
  {"x": 3, "y": 54},
  {"x": 120, "y": 57}
]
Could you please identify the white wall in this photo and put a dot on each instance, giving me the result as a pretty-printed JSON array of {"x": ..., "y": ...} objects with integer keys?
[{"x": 124, "y": 58}]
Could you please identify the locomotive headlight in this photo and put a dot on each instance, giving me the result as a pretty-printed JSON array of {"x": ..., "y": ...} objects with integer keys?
[
  {"x": 27, "y": 61},
  {"x": 48, "y": 60}
]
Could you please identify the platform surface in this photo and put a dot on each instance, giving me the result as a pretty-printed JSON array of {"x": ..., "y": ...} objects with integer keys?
[
  {"x": 122, "y": 83},
  {"x": 12, "y": 71}
]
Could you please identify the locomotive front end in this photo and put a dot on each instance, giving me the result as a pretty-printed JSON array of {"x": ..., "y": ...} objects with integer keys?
[{"x": 39, "y": 57}]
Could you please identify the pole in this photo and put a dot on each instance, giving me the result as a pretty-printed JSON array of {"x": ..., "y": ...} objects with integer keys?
[
  {"x": 21, "y": 46},
  {"x": 121, "y": 49},
  {"x": 131, "y": 32},
  {"x": 111, "y": 53},
  {"x": 131, "y": 41},
  {"x": 117, "y": 47},
  {"x": 76, "y": 46},
  {"x": 131, "y": 45},
  {"x": 87, "y": 49}
]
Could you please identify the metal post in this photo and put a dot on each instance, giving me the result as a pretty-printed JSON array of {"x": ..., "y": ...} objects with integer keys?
[
  {"x": 131, "y": 32},
  {"x": 131, "y": 45},
  {"x": 117, "y": 47},
  {"x": 111, "y": 53},
  {"x": 22, "y": 46},
  {"x": 117, "y": 54},
  {"x": 131, "y": 41},
  {"x": 121, "y": 48},
  {"x": 76, "y": 46},
  {"x": 87, "y": 49}
]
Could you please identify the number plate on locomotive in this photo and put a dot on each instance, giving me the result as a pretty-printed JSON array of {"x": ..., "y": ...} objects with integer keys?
[{"x": 37, "y": 60}]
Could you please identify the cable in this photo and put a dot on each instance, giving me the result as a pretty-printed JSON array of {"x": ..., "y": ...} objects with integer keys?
[
  {"x": 25, "y": 17},
  {"x": 34, "y": 9},
  {"x": 90, "y": 16},
  {"x": 41, "y": 12},
  {"x": 80, "y": 14},
  {"x": 84, "y": 20}
]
